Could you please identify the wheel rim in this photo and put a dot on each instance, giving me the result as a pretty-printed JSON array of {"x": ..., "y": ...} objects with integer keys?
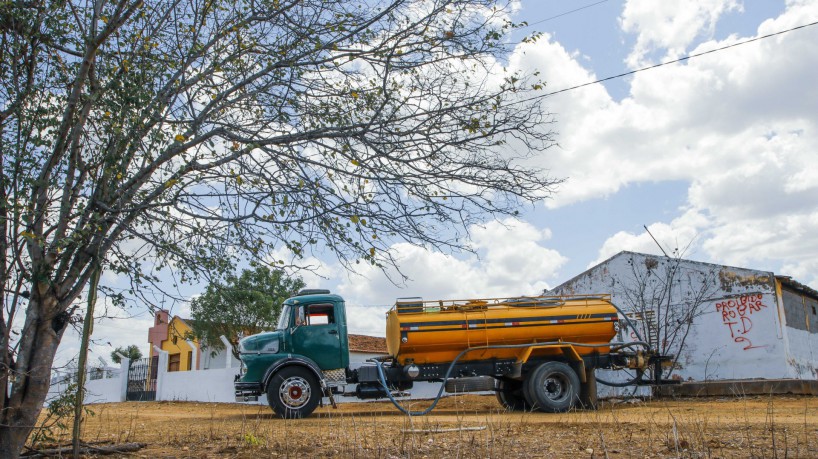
[
  {"x": 294, "y": 392},
  {"x": 555, "y": 387}
]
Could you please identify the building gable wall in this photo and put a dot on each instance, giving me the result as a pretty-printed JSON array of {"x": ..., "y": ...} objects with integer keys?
[{"x": 736, "y": 332}]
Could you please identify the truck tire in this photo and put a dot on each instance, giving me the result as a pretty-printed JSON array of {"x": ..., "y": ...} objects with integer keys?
[
  {"x": 293, "y": 392},
  {"x": 510, "y": 395},
  {"x": 553, "y": 387}
]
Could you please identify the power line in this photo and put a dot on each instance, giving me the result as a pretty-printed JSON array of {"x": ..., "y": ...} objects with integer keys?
[
  {"x": 680, "y": 59},
  {"x": 564, "y": 14}
]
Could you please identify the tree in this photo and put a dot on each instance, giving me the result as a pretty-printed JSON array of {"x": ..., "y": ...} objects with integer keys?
[
  {"x": 170, "y": 137},
  {"x": 132, "y": 352},
  {"x": 667, "y": 295},
  {"x": 247, "y": 304}
]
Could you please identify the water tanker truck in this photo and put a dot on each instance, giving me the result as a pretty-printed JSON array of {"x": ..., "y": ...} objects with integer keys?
[{"x": 536, "y": 353}]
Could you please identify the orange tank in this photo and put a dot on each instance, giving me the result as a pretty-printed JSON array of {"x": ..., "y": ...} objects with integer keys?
[{"x": 430, "y": 332}]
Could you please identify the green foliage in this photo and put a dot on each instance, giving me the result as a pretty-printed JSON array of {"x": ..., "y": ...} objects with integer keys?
[
  {"x": 251, "y": 440},
  {"x": 132, "y": 352},
  {"x": 176, "y": 140},
  {"x": 247, "y": 304}
]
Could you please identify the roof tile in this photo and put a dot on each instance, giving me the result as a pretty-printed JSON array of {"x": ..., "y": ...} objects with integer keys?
[{"x": 364, "y": 343}]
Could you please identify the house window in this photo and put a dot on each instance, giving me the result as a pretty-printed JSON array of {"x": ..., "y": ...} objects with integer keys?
[
  {"x": 174, "y": 339},
  {"x": 189, "y": 360},
  {"x": 173, "y": 362}
]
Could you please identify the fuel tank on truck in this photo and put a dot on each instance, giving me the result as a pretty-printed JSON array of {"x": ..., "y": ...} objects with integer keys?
[{"x": 430, "y": 332}]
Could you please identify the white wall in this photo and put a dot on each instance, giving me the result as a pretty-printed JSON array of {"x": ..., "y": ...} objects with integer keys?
[
  {"x": 215, "y": 385},
  {"x": 107, "y": 389},
  {"x": 802, "y": 353},
  {"x": 103, "y": 390},
  {"x": 732, "y": 341},
  {"x": 356, "y": 359},
  {"x": 738, "y": 335},
  {"x": 219, "y": 360}
]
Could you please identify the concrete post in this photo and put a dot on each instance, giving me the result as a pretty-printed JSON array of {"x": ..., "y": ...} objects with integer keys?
[
  {"x": 161, "y": 371},
  {"x": 193, "y": 355},
  {"x": 228, "y": 348},
  {"x": 125, "y": 366}
]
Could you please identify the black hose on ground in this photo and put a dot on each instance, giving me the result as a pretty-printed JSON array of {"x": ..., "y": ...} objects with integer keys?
[
  {"x": 633, "y": 381},
  {"x": 447, "y": 376}
]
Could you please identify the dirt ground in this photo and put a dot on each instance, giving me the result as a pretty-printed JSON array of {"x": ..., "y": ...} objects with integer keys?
[{"x": 469, "y": 426}]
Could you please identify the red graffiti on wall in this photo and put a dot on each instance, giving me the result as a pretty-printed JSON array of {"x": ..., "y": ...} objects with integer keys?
[{"x": 736, "y": 314}]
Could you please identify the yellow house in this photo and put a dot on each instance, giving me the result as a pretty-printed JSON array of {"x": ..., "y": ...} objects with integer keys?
[{"x": 169, "y": 335}]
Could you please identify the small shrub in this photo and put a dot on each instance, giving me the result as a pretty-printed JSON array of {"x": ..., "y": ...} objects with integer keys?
[
  {"x": 251, "y": 440},
  {"x": 58, "y": 417}
]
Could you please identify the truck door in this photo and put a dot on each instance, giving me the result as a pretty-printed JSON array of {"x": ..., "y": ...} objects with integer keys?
[{"x": 316, "y": 335}]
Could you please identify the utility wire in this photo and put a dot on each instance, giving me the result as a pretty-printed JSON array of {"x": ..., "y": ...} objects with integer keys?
[
  {"x": 563, "y": 14},
  {"x": 680, "y": 59}
]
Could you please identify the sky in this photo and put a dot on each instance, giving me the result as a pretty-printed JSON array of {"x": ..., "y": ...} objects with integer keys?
[{"x": 716, "y": 155}]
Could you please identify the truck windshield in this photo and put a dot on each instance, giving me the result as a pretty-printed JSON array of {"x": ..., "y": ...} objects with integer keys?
[{"x": 284, "y": 318}]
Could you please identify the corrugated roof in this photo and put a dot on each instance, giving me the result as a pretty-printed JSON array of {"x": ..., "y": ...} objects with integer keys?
[
  {"x": 795, "y": 285},
  {"x": 364, "y": 343}
]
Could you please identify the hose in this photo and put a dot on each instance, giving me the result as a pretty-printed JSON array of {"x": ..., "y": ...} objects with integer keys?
[
  {"x": 446, "y": 377},
  {"x": 630, "y": 324},
  {"x": 641, "y": 341},
  {"x": 633, "y": 381}
]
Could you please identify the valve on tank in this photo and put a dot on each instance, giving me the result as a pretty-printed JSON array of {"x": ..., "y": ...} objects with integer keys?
[{"x": 637, "y": 361}]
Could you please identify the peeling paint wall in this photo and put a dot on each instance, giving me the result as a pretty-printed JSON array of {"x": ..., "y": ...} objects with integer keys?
[
  {"x": 801, "y": 332},
  {"x": 738, "y": 328}
]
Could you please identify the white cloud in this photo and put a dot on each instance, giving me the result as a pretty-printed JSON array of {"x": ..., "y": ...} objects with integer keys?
[
  {"x": 684, "y": 122},
  {"x": 680, "y": 236},
  {"x": 806, "y": 271},
  {"x": 670, "y": 26},
  {"x": 739, "y": 125},
  {"x": 118, "y": 328},
  {"x": 512, "y": 261}
]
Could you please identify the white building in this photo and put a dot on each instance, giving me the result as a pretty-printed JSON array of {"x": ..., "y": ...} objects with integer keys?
[{"x": 723, "y": 323}]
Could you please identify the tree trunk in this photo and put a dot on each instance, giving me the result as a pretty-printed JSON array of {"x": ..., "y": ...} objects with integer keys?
[{"x": 40, "y": 338}]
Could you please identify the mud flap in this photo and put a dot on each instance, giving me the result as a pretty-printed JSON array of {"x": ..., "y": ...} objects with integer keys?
[
  {"x": 587, "y": 394},
  {"x": 328, "y": 393}
]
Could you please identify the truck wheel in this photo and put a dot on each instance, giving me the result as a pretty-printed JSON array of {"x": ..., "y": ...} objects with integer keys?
[
  {"x": 552, "y": 388},
  {"x": 293, "y": 393},
  {"x": 510, "y": 395}
]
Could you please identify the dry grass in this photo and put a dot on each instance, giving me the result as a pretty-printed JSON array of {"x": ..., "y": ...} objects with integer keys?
[{"x": 762, "y": 427}]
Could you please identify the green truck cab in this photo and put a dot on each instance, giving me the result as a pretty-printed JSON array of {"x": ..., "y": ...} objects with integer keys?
[{"x": 304, "y": 360}]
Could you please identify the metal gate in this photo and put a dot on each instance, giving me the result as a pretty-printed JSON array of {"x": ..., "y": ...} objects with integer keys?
[{"x": 142, "y": 379}]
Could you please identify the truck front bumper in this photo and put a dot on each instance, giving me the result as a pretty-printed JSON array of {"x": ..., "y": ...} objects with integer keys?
[{"x": 247, "y": 391}]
